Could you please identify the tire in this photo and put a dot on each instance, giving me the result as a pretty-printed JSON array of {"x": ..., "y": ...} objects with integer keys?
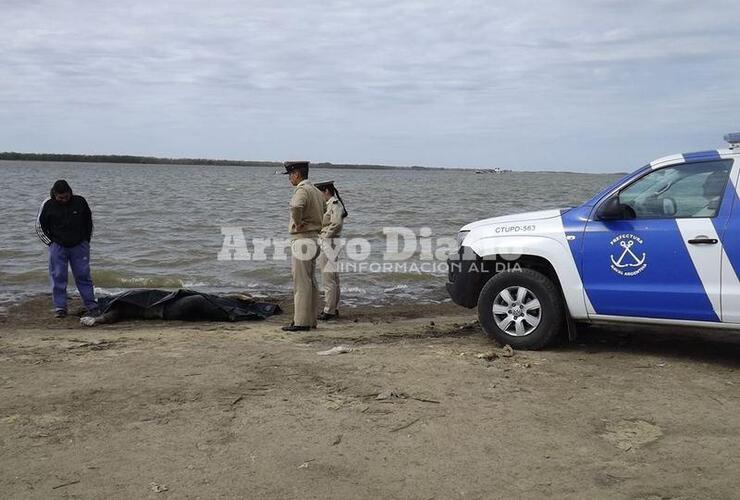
[{"x": 528, "y": 309}]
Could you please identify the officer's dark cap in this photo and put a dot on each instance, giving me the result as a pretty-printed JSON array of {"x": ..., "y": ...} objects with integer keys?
[
  {"x": 293, "y": 165},
  {"x": 323, "y": 185}
]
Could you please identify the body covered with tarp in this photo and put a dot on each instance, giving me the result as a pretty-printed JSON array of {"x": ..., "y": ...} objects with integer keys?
[{"x": 180, "y": 305}]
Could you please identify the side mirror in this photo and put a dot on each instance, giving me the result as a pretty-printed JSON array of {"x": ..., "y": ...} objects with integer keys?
[{"x": 611, "y": 209}]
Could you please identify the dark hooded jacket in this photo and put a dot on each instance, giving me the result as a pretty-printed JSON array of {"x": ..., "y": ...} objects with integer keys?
[{"x": 67, "y": 224}]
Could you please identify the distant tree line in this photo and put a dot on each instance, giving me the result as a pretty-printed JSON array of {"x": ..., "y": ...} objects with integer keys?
[{"x": 151, "y": 160}]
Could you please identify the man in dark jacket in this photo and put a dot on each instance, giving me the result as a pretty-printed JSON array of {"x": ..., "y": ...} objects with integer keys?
[{"x": 65, "y": 224}]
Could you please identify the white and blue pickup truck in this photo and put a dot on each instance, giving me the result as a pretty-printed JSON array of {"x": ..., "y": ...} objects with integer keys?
[{"x": 659, "y": 246}]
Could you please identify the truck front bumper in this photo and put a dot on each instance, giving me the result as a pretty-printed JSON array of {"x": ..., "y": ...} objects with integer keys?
[{"x": 465, "y": 279}]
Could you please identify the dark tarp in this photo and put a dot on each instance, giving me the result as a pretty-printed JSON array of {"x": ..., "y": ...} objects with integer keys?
[{"x": 183, "y": 305}]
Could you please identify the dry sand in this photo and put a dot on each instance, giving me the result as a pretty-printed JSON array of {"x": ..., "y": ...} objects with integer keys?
[{"x": 423, "y": 407}]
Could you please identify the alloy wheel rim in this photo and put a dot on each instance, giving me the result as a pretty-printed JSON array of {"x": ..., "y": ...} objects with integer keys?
[{"x": 517, "y": 311}]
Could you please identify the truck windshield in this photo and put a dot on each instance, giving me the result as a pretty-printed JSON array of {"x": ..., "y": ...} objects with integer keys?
[{"x": 615, "y": 185}]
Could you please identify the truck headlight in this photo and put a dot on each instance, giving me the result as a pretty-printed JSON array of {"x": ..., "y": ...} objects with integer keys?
[{"x": 460, "y": 237}]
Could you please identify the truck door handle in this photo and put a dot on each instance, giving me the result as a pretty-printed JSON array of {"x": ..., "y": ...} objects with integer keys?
[{"x": 703, "y": 240}]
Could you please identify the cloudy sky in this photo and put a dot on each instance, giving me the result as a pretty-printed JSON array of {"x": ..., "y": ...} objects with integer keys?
[{"x": 602, "y": 85}]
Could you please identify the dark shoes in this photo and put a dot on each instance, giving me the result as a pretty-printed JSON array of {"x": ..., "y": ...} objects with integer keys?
[
  {"x": 328, "y": 317},
  {"x": 60, "y": 313},
  {"x": 296, "y": 328}
]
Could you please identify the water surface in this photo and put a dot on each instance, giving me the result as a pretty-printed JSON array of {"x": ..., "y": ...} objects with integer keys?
[{"x": 160, "y": 225}]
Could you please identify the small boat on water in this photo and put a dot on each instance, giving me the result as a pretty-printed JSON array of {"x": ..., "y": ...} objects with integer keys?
[{"x": 491, "y": 171}]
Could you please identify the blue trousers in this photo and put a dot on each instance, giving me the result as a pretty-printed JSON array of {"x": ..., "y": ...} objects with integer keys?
[{"x": 78, "y": 258}]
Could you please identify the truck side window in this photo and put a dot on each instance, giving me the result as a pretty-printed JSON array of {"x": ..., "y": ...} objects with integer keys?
[{"x": 686, "y": 190}]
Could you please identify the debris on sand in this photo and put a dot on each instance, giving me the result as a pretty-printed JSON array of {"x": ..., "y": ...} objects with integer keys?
[
  {"x": 337, "y": 440},
  {"x": 405, "y": 426},
  {"x": 158, "y": 488},
  {"x": 93, "y": 345},
  {"x": 304, "y": 465},
  {"x": 340, "y": 349},
  {"x": 468, "y": 327},
  {"x": 505, "y": 352},
  {"x": 76, "y": 481},
  {"x": 487, "y": 356},
  {"x": 424, "y": 400},
  {"x": 388, "y": 395}
]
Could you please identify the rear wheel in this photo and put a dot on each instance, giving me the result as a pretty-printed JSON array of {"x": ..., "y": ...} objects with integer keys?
[{"x": 521, "y": 308}]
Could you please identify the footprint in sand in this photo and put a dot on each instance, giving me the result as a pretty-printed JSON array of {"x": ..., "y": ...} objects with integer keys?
[{"x": 628, "y": 434}]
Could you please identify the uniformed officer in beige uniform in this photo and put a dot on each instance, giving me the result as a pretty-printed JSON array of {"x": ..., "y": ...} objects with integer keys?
[
  {"x": 306, "y": 212},
  {"x": 331, "y": 229}
]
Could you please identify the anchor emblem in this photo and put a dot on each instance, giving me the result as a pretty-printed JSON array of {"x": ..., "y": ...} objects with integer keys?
[
  {"x": 627, "y": 263},
  {"x": 627, "y": 245}
]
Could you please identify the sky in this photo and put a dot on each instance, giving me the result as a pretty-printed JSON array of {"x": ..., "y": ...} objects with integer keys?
[{"x": 598, "y": 86}]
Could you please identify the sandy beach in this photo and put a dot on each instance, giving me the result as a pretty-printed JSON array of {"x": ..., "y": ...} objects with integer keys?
[{"x": 424, "y": 406}]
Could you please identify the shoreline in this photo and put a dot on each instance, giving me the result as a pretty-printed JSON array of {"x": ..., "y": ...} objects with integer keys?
[{"x": 36, "y": 311}]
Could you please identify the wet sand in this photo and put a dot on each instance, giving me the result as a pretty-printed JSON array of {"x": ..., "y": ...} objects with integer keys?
[{"x": 423, "y": 407}]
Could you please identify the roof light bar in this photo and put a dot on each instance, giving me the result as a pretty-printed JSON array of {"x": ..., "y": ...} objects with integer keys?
[{"x": 734, "y": 140}]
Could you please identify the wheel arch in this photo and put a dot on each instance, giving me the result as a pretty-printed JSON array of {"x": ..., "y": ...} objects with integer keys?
[{"x": 548, "y": 255}]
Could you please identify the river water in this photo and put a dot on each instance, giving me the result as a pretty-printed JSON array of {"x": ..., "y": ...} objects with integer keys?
[{"x": 161, "y": 225}]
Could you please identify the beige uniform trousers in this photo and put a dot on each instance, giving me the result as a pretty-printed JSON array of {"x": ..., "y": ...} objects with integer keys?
[
  {"x": 328, "y": 265},
  {"x": 305, "y": 290}
]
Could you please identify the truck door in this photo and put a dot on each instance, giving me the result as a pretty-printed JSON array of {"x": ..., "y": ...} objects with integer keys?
[
  {"x": 731, "y": 257},
  {"x": 661, "y": 258}
]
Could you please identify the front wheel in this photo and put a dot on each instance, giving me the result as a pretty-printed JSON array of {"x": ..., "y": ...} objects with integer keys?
[{"x": 521, "y": 308}]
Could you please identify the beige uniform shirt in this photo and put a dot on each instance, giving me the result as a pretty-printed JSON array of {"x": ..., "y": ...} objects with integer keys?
[
  {"x": 306, "y": 210},
  {"x": 331, "y": 225}
]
